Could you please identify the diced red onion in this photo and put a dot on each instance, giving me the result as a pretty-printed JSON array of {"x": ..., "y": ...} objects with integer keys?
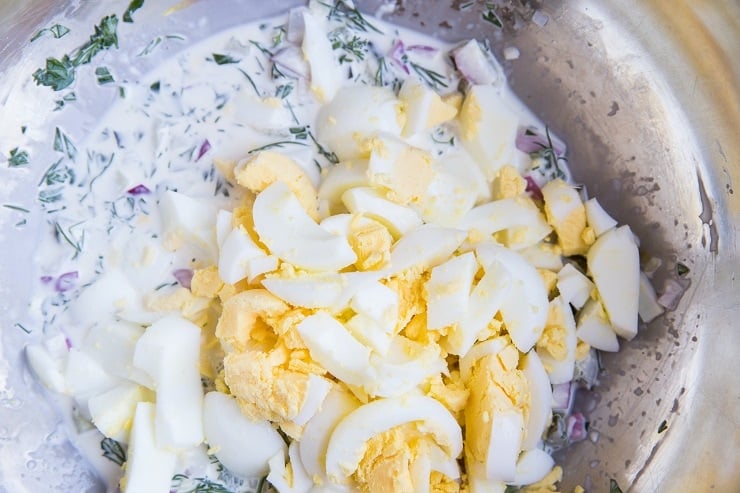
[
  {"x": 533, "y": 189},
  {"x": 397, "y": 53},
  {"x": 184, "y": 277},
  {"x": 473, "y": 64},
  {"x": 429, "y": 50},
  {"x": 139, "y": 189},
  {"x": 46, "y": 279},
  {"x": 529, "y": 140},
  {"x": 67, "y": 342},
  {"x": 66, "y": 281},
  {"x": 204, "y": 147},
  {"x": 562, "y": 396},
  {"x": 290, "y": 61},
  {"x": 672, "y": 293},
  {"x": 296, "y": 25},
  {"x": 576, "y": 427}
]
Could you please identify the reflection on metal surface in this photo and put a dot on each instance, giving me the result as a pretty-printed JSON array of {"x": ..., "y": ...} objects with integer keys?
[{"x": 646, "y": 95}]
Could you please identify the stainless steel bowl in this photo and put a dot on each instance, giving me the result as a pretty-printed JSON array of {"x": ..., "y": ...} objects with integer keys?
[{"x": 645, "y": 92}]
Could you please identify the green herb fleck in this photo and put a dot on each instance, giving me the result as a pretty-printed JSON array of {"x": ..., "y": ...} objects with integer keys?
[
  {"x": 62, "y": 143},
  {"x": 512, "y": 489},
  {"x": 16, "y": 208},
  {"x": 614, "y": 487},
  {"x": 328, "y": 155},
  {"x": 278, "y": 144},
  {"x": 185, "y": 484},
  {"x": 20, "y": 326},
  {"x": 283, "y": 91},
  {"x": 343, "y": 12},
  {"x": 548, "y": 154},
  {"x": 251, "y": 82},
  {"x": 57, "y": 30},
  {"x": 264, "y": 50},
  {"x": 72, "y": 241},
  {"x": 113, "y": 451},
  {"x": 279, "y": 35},
  {"x": 132, "y": 7},
  {"x": 300, "y": 133},
  {"x": 354, "y": 48},
  {"x": 104, "y": 76},
  {"x": 663, "y": 426},
  {"x": 490, "y": 16},
  {"x": 17, "y": 158},
  {"x": 67, "y": 98},
  {"x": 223, "y": 59},
  {"x": 682, "y": 270},
  {"x": 155, "y": 86},
  {"x": 56, "y": 74},
  {"x": 431, "y": 77},
  {"x": 57, "y": 173},
  {"x": 121, "y": 92}
]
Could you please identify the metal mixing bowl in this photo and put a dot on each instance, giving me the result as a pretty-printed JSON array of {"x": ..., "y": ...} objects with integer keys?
[{"x": 645, "y": 92}]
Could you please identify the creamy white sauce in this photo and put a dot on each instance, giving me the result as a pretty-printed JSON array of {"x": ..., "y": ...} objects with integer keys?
[{"x": 165, "y": 135}]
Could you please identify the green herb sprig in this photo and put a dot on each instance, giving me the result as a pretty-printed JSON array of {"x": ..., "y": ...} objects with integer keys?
[
  {"x": 113, "y": 451},
  {"x": 353, "y": 18},
  {"x": 17, "y": 158}
]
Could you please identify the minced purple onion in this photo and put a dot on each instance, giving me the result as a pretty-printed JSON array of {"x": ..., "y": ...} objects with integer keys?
[
  {"x": 184, "y": 277},
  {"x": 66, "y": 281},
  {"x": 204, "y": 147},
  {"x": 139, "y": 189}
]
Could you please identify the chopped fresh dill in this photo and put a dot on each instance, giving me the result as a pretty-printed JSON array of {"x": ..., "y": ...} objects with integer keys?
[
  {"x": 550, "y": 157},
  {"x": 20, "y": 326},
  {"x": 104, "y": 76},
  {"x": 490, "y": 16},
  {"x": 67, "y": 98},
  {"x": 16, "y": 208},
  {"x": 300, "y": 133},
  {"x": 17, "y": 158},
  {"x": 354, "y": 48},
  {"x": 343, "y": 12},
  {"x": 251, "y": 82},
  {"x": 113, "y": 451},
  {"x": 328, "y": 155},
  {"x": 132, "y": 7},
  {"x": 69, "y": 237},
  {"x": 185, "y": 484},
  {"x": 57, "y": 173},
  {"x": 57, "y": 30},
  {"x": 272, "y": 145},
  {"x": 430, "y": 77},
  {"x": 279, "y": 36},
  {"x": 283, "y": 91},
  {"x": 221, "y": 59},
  {"x": 63, "y": 144},
  {"x": 264, "y": 50}
]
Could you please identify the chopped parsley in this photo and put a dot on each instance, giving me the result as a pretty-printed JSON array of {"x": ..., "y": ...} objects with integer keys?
[
  {"x": 113, "y": 451},
  {"x": 59, "y": 73},
  {"x": 57, "y": 30},
  {"x": 132, "y": 7},
  {"x": 104, "y": 76},
  {"x": 17, "y": 158},
  {"x": 221, "y": 59}
]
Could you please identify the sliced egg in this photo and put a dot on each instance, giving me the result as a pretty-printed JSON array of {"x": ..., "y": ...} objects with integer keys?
[
  {"x": 316, "y": 392},
  {"x": 49, "y": 370},
  {"x": 289, "y": 232},
  {"x": 524, "y": 309},
  {"x": 112, "y": 411},
  {"x": 540, "y": 400},
  {"x": 236, "y": 252},
  {"x": 227, "y": 430},
  {"x": 614, "y": 264},
  {"x": 403, "y": 170},
  {"x": 504, "y": 445},
  {"x": 566, "y": 213},
  {"x": 424, "y": 108},
  {"x": 355, "y": 114},
  {"x": 307, "y": 290},
  {"x": 543, "y": 256},
  {"x": 406, "y": 365},
  {"x": 594, "y": 328},
  {"x": 333, "y": 347},
  {"x": 596, "y": 217},
  {"x": 574, "y": 287},
  {"x": 326, "y": 75},
  {"x": 169, "y": 351},
  {"x": 561, "y": 370},
  {"x": 397, "y": 218},
  {"x": 424, "y": 247},
  {"x": 149, "y": 467},
  {"x": 112, "y": 345},
  {"x": 448, "y": 290},
  {"x": 368, "y": 331},
  {"x": 488, "y": 128},
  {"x": 519, "y": 216},
  {"x": 337, "y": 180},
  {"x": 478, "y": 351},
  {"x": 379, "y": 302},
  {"x": 347, "y": 442}
]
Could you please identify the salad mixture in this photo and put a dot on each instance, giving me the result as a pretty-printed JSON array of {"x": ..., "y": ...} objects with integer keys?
[{"x": 328, "y": 254}]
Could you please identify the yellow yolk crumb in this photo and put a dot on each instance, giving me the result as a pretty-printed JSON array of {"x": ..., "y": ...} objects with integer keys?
[
  {"x": 439, "y": 483},
  {"x": 246, "y": 312},
  {"x": 387, "y": 462},
  {"x": 549, "y": 278},
  {"x": 508, "y": 183},
  {"x": 553, "y": 338},
  {"x": 546, "y": 484},
  {"x": 206, "y": 282},
  {"x": 450, "y": 391},
  {"x": 371, "y": 242},
  {"x": 582, "y": 350}
]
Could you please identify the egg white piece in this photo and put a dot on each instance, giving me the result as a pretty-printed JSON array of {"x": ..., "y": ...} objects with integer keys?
[
  {"x": 307, "y": 290},
  {"x": 397, "y": 218},
  {"x": 333, "y": 347},
  {"x": 369, "y": 332},
  {"x": 421, "y": 470},
  {"x": 479, "y": 350},
  {"x": 237, "y": 250},
  {"x": 290, "y": 234},
  {"x": 337, "y": 180},
  {"x": 405, "y": 366},
  {"x": 648, "y": 307},
  {"x": 543, "y": 256},
  {"x": 574, "y": 287},
  {"x": 187, "y": 219},
  {"x": 149, "y": 467},
  {"x": 112, "y": 346},
  {"x": 84, "y": 375},
  {"x": 169, "y": 351},
  {"x": 448, "y": 290},
  {"x": 614, "y": 264},
  {"x": 261, "y": 265},
  {"x": 49, "y": 370},
  {"x": 489, "y": 127},
  {"x": 518, "y": 215},
  {"x": 540, "y": 400},
  {"x": 316, "y": 433},
  {"x": 379, "y": 302},
  {"x": 504, "y": 445},
  {"x": 261, "y": 113},
  {"x": 525, "y": 308},
  {"x": 487, "y": 297},
  {"x": 423, "y": 107},
  {"x": 596, "y": 217},
  {"x": 346, "y": 445},
  {"x": 594, "y": 328},
  {"x": 227, "y": 431},
  {"x": 112, "y": 411},
  {"x": 318, "y": 388},
  {"x": 441, "y": 462},
  {"x": 424, "y": 247},
  {"x": 355, "y": 114},
  {"x": 113, "y": 294},
  {"x": 326, "y": 75},
  {"x": 561, "y": 371},
  {"x": 532, "y": 466}
]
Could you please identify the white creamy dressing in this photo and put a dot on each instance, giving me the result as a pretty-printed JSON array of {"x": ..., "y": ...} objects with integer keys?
[{"x": 165, "y": 135}]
